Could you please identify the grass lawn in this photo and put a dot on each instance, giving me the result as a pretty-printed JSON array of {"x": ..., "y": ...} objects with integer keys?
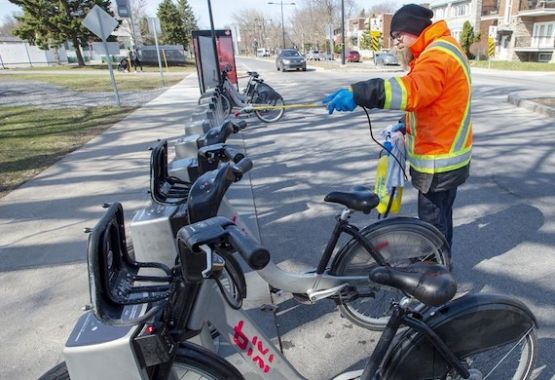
[
  {"x": 513, "y": 65},
  {"x": 32, "y": 139},
  {"x": 81, "y": 82}
]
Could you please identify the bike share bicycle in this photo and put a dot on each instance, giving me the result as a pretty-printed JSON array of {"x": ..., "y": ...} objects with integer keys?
[
  {"x": 256, "y": 93},
  {"x": 472, "y": 337}
]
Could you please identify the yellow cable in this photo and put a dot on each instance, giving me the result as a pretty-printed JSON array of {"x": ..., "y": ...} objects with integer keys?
[{"x": 285, "y": 106}]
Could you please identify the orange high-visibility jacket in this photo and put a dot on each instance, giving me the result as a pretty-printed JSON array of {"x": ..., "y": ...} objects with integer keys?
[{"x": 436, "y": 95}]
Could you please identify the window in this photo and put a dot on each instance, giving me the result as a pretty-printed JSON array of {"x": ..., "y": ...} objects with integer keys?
[
  {"x": 459, "y": 10},
  {"x": 543, "y": 35}
]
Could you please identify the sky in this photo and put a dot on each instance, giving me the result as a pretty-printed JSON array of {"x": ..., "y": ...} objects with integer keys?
[{"x": 222, "y": 10}]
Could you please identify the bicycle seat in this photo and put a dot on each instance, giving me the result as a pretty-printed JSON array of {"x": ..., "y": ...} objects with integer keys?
[
  {"x": 359, "y": 198},
  {"x": 431, "y": 284},
  {"x": 253, "y": 74}
]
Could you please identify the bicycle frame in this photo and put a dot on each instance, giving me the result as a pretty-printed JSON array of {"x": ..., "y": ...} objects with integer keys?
[
  {"x": 319, "y": 284},
  {"x": 256, "y": 350}
]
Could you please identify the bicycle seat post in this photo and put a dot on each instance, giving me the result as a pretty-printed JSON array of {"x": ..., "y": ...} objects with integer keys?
[{"x": 345, "y": 214}]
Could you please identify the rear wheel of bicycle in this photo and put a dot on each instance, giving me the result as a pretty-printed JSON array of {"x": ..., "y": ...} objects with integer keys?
[
  {"x": 58, "y": 372},
  {"x": 265, "y": 95},
  {"x": 401, "y": 241},
  {"x": 511, "y": 361}
]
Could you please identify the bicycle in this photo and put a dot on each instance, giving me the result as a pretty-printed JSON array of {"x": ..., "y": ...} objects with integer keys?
[
  {"x": 340, "y": 277},
  {"x": 256, "y": 93},
  {"x": 444, "y": 343}
]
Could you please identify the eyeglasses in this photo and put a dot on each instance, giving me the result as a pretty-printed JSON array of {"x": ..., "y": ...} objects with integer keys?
[{"x": 397, "y": 36}]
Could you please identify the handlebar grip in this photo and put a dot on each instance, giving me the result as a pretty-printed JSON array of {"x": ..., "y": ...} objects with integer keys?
[
  {"x": 240, "y": 168},
  {"x": 233, "y": 154},
  {"x": 239, "y": 125},
  {"x": 256, "y": 256}
]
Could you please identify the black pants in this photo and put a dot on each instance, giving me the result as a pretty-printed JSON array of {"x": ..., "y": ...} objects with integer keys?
[{"x": 436, "y": 208}]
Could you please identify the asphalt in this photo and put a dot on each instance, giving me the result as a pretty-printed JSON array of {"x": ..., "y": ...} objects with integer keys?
[{"x": 43, "y": 277}]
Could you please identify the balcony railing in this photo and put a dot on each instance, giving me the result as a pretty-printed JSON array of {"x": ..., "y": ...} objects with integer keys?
[
  {"x": 535, "y": 42},
  {"x": 536, "y": 4}
]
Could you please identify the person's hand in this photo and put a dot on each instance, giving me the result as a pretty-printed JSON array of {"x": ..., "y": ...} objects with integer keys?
[
  {"x": 399, "y": 127},
  {"x": 341, "y": 100}
]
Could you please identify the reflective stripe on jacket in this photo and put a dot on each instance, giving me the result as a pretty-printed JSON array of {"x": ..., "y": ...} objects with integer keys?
[{"x": 436, "y": 95}]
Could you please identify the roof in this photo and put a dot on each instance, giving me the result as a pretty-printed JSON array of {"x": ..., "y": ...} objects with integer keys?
[{"x": 10, "y": 39}]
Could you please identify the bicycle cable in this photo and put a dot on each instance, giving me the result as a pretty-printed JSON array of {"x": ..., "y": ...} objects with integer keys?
[{"x": 381, "y": 145}]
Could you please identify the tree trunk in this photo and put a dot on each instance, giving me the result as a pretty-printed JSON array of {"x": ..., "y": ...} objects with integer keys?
[{"x": 77, "y": 48}]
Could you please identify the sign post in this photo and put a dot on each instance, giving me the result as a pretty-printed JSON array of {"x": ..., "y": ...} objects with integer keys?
[
  {"x": 155, "y": 29},
  {"x": 492, "y": 34},
  {"x": 102, "y": 24}
]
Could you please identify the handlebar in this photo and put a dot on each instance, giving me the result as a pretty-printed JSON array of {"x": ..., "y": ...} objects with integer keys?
[{"x": 207, "y": 235}]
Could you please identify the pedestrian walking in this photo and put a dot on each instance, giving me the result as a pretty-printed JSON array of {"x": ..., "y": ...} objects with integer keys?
[
  {"x": 135, "y": 61},
  {"x": 435, "y": 93}
]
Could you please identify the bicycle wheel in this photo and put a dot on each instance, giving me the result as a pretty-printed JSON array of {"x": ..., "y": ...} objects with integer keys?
[
  {"x": 494, "y": 335},
  {"x": 59, "y": 372},
  {"x": 401, "y": 241},
  {"x": 226, "y": 105},
  {"x": 193, "y": 362},
  {"x": 265, "y": 95}
]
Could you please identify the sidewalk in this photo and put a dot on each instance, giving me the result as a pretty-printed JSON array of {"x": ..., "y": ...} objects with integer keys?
[{"x": 43, "y": 272}]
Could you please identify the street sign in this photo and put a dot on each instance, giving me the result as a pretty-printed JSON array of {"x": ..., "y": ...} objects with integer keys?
[
  {"x": 375, "y": 40},
  {"x": 154, "y": 26},
  {"x": 100, "y": 22},
  {"x": 123, "y": 8},
  {"x": 491, "y": 47}
]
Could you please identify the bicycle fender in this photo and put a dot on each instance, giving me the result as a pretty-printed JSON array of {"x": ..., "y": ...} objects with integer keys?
[
  {"x": 467, "y": 325},
  {"x": 383, "y": 224}
]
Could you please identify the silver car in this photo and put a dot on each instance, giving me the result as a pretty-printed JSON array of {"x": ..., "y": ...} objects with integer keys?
[
  {"x": 289, "y": 59},
  {"x": 385, "y": 58}
]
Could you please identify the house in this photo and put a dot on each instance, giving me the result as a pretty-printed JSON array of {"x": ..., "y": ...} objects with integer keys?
[
  {"x": 17, "y": 52},
  {"x": 523, "y": 30}
]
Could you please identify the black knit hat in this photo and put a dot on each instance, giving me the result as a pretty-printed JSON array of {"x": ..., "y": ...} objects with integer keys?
[{"x": 411, "y": 18}]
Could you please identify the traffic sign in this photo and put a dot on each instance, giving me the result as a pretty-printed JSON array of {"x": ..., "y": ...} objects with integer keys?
[
  {"x": 375, "y": 40},
  {"x": 100, "y": 22},
  {"x": 491, "y": 47}
]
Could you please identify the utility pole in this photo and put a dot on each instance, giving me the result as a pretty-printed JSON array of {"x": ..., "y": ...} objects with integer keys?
[
  {"x": 281, "y": 3},
  {"x": 342, "y": 32}
]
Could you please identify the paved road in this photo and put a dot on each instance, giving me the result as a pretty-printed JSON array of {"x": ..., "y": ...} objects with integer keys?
[{"x": 504, "y": 216}]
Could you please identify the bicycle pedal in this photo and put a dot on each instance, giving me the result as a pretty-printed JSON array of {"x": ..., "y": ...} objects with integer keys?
[
  {"x": 348, "y": 294},
  {"x": 268, "y": 307},
  {"x": 302, "y": 298}
]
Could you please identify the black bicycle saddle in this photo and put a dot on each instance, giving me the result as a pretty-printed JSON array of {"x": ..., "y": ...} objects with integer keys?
[
  {"x": 431, "y": 284},
  {"x": 359, "y": 198}
]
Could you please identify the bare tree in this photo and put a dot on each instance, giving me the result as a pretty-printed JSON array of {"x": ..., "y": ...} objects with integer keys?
[
  {"x": 7, "y": 25},
  {"x": 257, "y": 30}
]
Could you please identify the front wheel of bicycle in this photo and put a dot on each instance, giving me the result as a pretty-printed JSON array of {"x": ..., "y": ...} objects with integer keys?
[
  {"x": 493, "y": 336},
  {"x": 191, "y": 362},
  {"x": 265, "y": 95},
  {"x": 195, "y": 362},
  {"x": 401, "y": 241}
]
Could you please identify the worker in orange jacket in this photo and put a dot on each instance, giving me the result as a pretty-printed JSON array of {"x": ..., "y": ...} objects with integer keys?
[{"x": 436, "y": 97}]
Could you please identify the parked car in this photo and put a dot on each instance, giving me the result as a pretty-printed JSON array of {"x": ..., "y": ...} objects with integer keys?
[
  {"x": 385, "y": 58},
  {"x": 353, "y": 56},
  {"x": 262, "y": 52},
  {"x": 313, "y": 55},
  {"x": 288, "y": 59}
]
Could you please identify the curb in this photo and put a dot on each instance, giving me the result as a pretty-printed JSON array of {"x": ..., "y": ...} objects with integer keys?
[{"x": 530, "y": 104}]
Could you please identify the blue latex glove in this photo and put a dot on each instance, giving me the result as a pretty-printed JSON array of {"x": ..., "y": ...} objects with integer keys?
[
  {"x": 399, "y": 127},
  {"x": 341, "y": 100}
]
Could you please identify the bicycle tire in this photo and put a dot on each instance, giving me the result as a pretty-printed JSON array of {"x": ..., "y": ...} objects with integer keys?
[
  {"x": 265, "y": 95},
  {"x": 226, "y": 105},
  {"x": 191, "y": 362},
  {"x": 494, "y": 335},
  {"x": 58, "y": 372},
  {"x": 401, "y": 241}
]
